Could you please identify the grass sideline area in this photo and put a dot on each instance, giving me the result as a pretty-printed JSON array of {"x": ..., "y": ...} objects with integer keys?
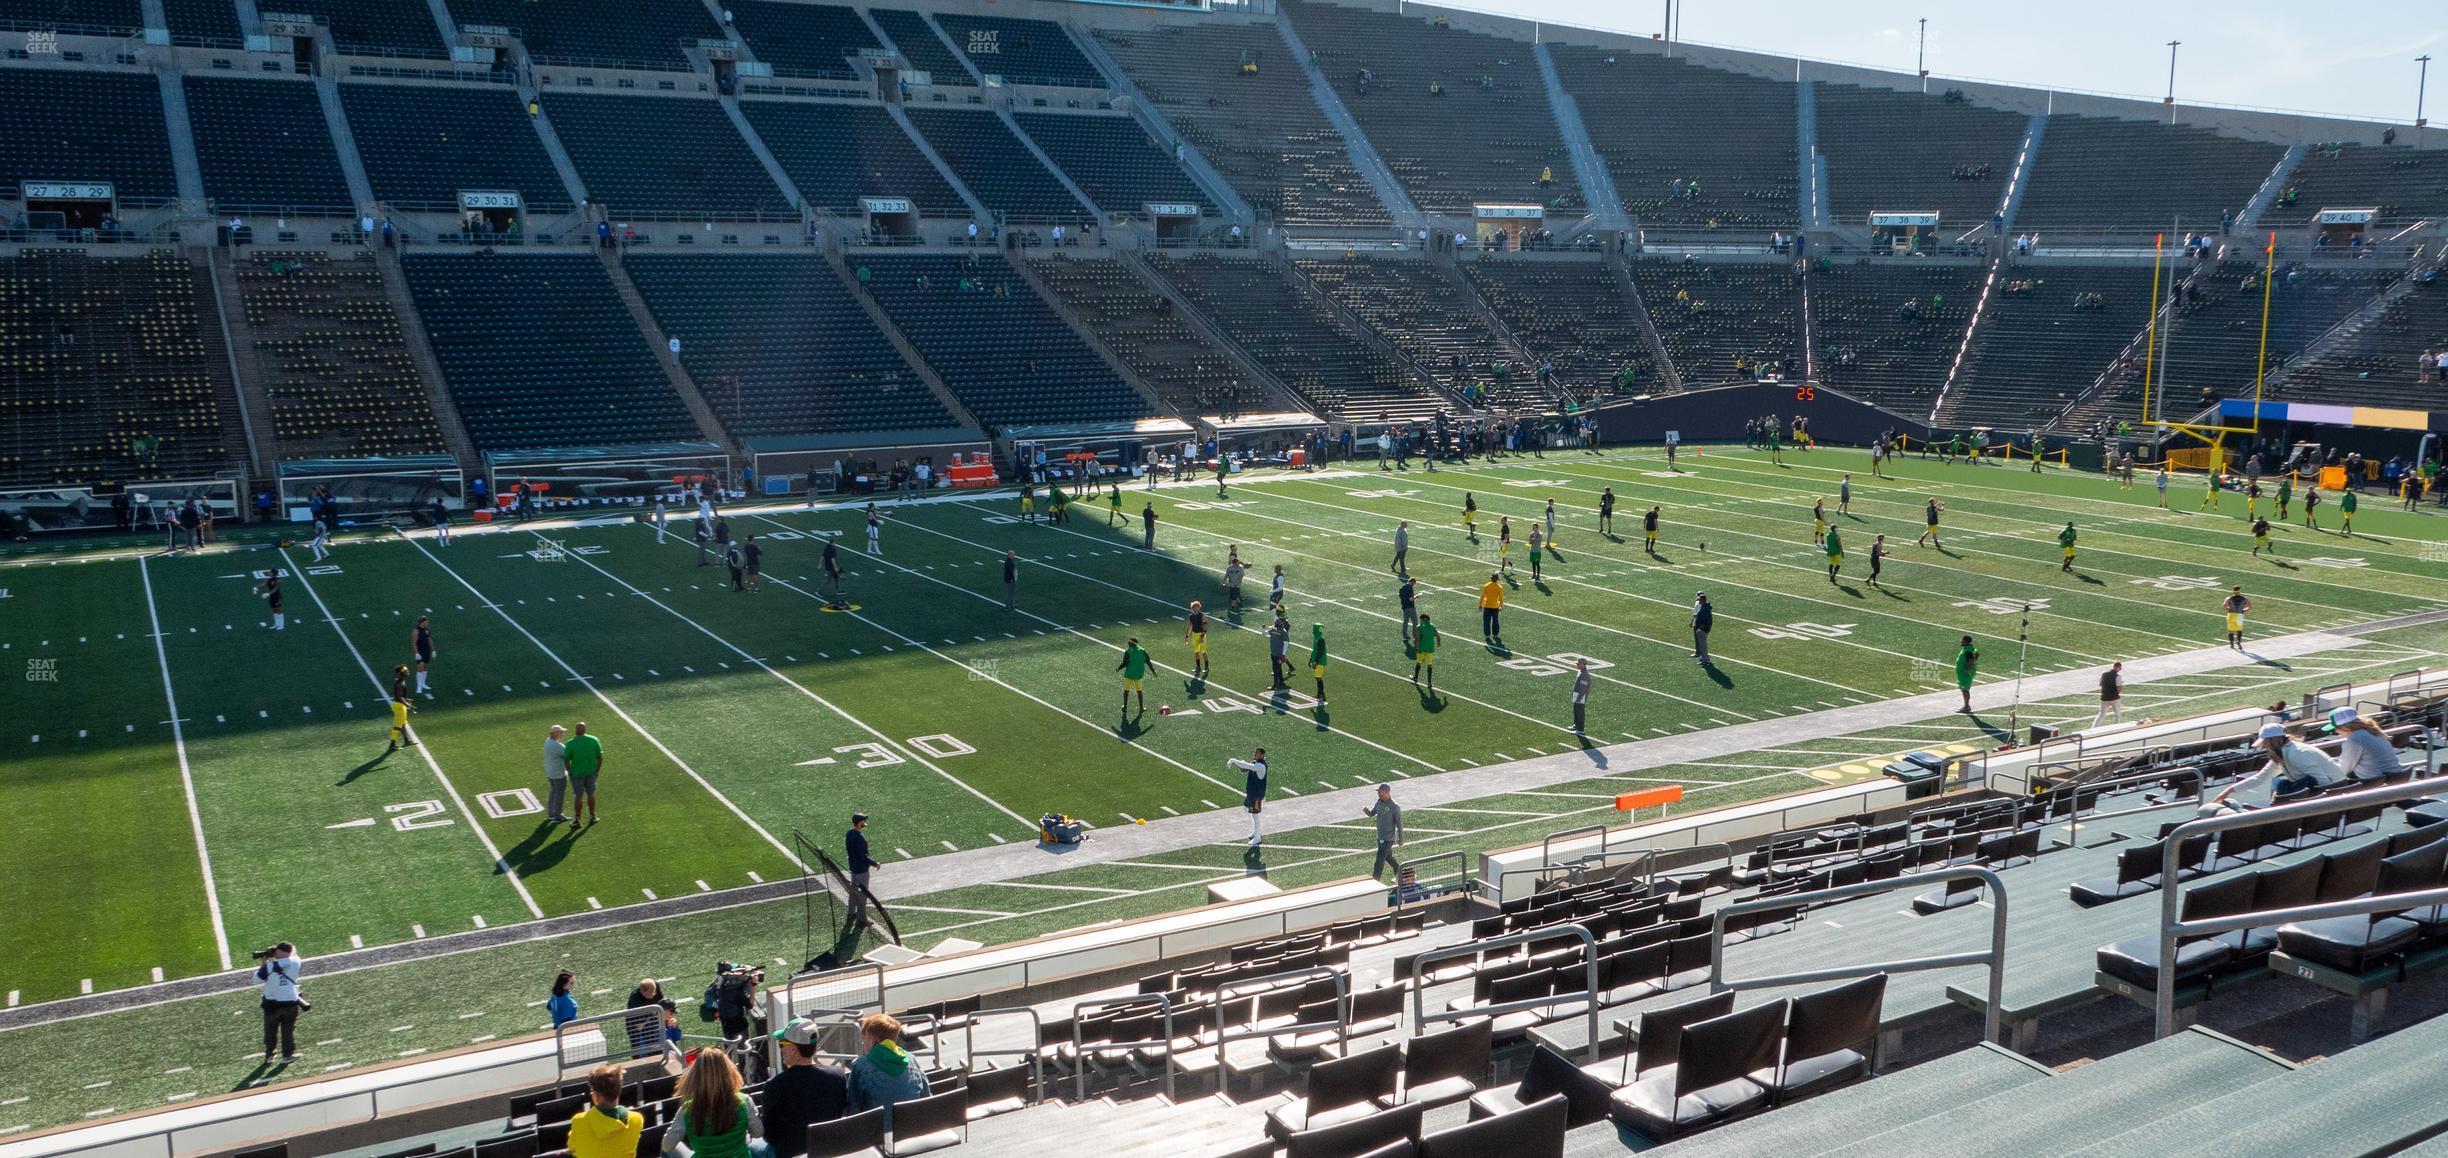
[{"x": 166, "y": 727}]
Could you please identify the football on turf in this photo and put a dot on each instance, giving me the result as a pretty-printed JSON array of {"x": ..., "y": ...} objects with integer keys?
[{"x": 1164, "y": 709}]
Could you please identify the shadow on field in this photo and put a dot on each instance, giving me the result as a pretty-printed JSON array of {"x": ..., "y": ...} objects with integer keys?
[{"x": 538, "y": 851}]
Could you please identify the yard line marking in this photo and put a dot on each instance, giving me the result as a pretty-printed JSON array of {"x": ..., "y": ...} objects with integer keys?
[
  {"x": 1101, "y": 729},
  {"x": 178, "y": 741},
  {"x": 995, "y": 913},
  {"x": 450, "y": 789},
  {"x": 157, "y": 974},
  {"x": 1061, "y": 888},
  {"x": 598, "y": 693},
  {"x": 908, "y": 753}
]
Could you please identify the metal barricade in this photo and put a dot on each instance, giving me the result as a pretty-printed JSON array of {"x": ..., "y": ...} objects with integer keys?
[
  {"x": 2173, "y": 928},
  {"x": 1547, "y": 845},
  {"x": 1079, "y": 1052},
  {"x": 585, "y": 1042},
  {"x": 1035, "y": 1054},
  {"x": 1994, "y": 957},
  {"x": 1223, "y": 997},
  {"x": 858, "y": 987},
  {"x": 1421, "y": 1017},
  {"x": 1421, "y": 890}
]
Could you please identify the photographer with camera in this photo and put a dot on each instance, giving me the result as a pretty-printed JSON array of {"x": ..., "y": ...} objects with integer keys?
[
  {"x": 735, "y": 998},
  {"x": 279, "y": 968}
]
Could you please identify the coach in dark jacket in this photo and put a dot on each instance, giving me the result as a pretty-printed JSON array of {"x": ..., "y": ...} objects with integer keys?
[
  {"x": 1704, "y": 617},
  {"x": 854, "y": 844}
]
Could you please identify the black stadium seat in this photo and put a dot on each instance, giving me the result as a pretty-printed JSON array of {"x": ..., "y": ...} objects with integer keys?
[
  {"x": 1533, "y": 1131},
  {"x": 860, "y": 1133}
]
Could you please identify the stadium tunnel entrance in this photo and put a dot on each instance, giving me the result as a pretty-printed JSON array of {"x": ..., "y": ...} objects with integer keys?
[
  {"x": 1903, "y": 230},
  {"x": 892, "y": 217},
  {"x": 68, "y": 204},
  {"x": 1504, "y": 226},
  {"x": 2342, "y": 228}
]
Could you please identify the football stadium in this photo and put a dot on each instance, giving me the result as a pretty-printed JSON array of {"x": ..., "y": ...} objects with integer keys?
[{"x": 790, "y": 579}]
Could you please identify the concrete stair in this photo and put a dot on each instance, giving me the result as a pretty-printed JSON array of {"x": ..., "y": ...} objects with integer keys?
[
  {"x": 229, "y": 358},
  {"x": 428, "y": 367},
  {"x": 344, "y": 143},
  {"x": 977, "y": 209},
  {"x": 1088, "y": 336},
  {"x": 1397, "y": 200},
  {"x": 183, "y": 162},
  {"x": 1673, "y": 378},
  {"x": 1597, "y": 184},
  {"x": 708, "y": 425},
  {"x": 900, "y": 341},
  {"x": 1251, "y": 369},
  {"x": 1220, "y": 191}
]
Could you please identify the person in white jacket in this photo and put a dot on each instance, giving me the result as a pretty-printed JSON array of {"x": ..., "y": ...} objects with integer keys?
[
  {"x": 2293, "y": 767},
  {"x": 2365, "y": 754}
]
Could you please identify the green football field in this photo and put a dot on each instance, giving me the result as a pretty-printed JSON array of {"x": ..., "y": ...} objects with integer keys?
[{"x": 185, "y": 784}]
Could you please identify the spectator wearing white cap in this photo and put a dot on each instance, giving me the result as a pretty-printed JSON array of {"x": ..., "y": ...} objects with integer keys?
[
  {"x": 2365, "y": 753},
  {"x": 2293, "y": 767}
]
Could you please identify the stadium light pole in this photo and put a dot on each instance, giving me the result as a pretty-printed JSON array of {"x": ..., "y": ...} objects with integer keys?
[
  {"x": 2422, "y": 81},
  {"x": 1921, "y": 58},
  {"x": 2171, "y": 93}
]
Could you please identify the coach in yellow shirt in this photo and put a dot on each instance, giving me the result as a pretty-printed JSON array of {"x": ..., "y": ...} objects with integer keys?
[{"x": 1491, "y": 605}]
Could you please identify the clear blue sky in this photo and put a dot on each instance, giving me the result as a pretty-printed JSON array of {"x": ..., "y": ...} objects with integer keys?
[{"x": 2350, "y": 59}]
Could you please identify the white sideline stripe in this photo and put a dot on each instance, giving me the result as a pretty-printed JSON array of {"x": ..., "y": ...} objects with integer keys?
[
  {"x": 178, "y": 740},
  {"x": 598, "y": 693},
  {"x": 912, "y": 754},
  {"x": 998, "y": 914},
  {"x": 452, "y": 790},
  {"x": 1061, "y": 888}
]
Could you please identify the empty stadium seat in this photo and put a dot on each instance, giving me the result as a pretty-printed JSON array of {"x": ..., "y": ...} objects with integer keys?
[
  {"x": 1901, "y": 151},
  {"x": 1112, "y": 159},
  {"x": 1487, "y": 134},
  {"x": 2046, "y": 333},
  {"x": 1659, "y": 121},
  {"x": 77, "y": 17},
  {"x": 995, "y": 166},
  {"x": 2405, "y": 185},
  {"x": 640, "y": 34},
  {"x": 1263, "y": 310},
  {"x": 2138, "y": 177},
  {"x": 1141, "y": 327},
  {"x": 663, "y": 155},
  {"x": 919, "y": 46},
  {"x": 1234, "y": 92},
  {"x": 1885, "y": 331},
  {"x": 815, "y": 40},
  {"x": 1721, "y": 320},
  {"x": 264, "y": 148},
  {"x": 423, "y": 145},
  {"x": 1575, "y": 315},
  {"x": 102, "y": 357},
  {"x": 836, "y": 154},
  {"x": 1007, "y": 356},
  {"x": 210, "y": 23},
  {"x": 57, "y": 125},
  {"x": 1428, "y": 317},
  {"x": 333, "y": 358},
  {"x": 539, "y": 351},
  {"x": 376, "y": 27},
  {"x": 1020, "y": 51},
  {"x": 778, "y": 345}
]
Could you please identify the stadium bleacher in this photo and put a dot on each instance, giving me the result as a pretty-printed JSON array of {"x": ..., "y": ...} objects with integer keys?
[
  {"x": 212, "y": 23},
  {"x": 996, "y": 166},
  {"x": 333, "y": 358},
  {"x": 1003, "y": 352},
  {"x": 1574, "y": 314},
  {"x": 663, "y": 156},
  {"x": 1021, "y": 51},
  {"x": 1720, "y": 321},
  {"x": 1428, "y": 318},
  {"x": 1150, "y": 337},
  {"x": 2046, "y": 334},
  {"x": 264, "y": 147},
  {"x": 779, "y": 346},
  {"x": 836, "y": 154},
  {"x": 538, "y": 350},
  {"x": 1483, "y": 133},
  {"x": 1112, "y": 159},
  {"x": 423, "y": 145},
  {"x": 920, "y": 47},
  {"x": 2099, "y": 174},
  {"x": 814, "y": 40},
  {"x": 1665, "y": 125},
  {"x": 1262, "y": 309},
  {"x": 2215, "y": 340},
  {"x": 1258, "y": 126},
  {"x": 2405, "y": 185},
  {"x": 645, "y": 34},
  {"x": 76, "y": 17},
  {"x": 376, "y": 27},
  {"x": 2374, "y": 366},
  {"x": 105, "y": 357},
  {"x": 1893, "y": 151},
  {"x": 1885, "y": 330},
  {"x": 57, "y": 125}
]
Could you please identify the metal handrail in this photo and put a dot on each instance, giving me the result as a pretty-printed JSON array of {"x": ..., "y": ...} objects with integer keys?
[
  {"x": 1460, "y": 859},
  {"x": 2172, "y": 926},
  {"x": 2098, "y": 788},
  {"x": 1079, "y": 1052},
  {"x": 1035, "y": 1055},
  {"x": 1547, "y": 845},
  {"x": 1994, "y": 957},
  {"x": 790, "y": 986},
  {"x": 1341, "y": 1024},
  {"x": 1421, "y": 1018},
  {"x": 628, "y": 1046}
]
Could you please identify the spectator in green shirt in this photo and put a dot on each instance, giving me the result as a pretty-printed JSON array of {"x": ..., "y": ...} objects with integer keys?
[
  {"x": 1134, "y": 668},
  {"x": 583, "y": 755},
  {"x": 1317, "y": 659},
  {"x": 1967, "y": 665},
  {"x": 1423, "y": 653}
]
